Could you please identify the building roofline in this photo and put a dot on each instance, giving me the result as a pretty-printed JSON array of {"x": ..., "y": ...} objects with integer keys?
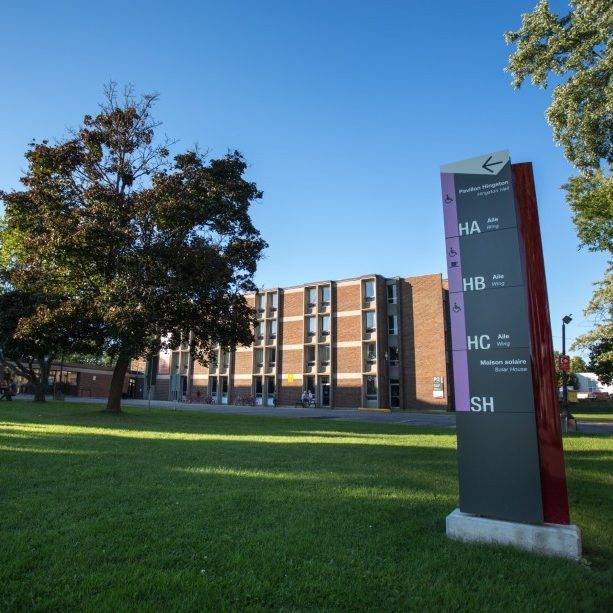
[{"x": 321, "y": 282}]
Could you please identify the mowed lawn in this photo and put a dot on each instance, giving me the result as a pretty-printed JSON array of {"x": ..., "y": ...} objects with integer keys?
[{"x": 173, "y": 511}]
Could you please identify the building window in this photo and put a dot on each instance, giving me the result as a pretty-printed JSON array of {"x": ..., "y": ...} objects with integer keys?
[
  {"x": 258, "y": 387},
  {"x": 394, "y": 393},
  {"x": 310, "y": 355},
  {"x": 394, "y": 356},
  {"x": 224, "y": 386},
  {"x": 225, "y": 358},
  {"x": 259, "y": 358},
  {"x": 392, "y": 324},
  {"x": 324, "y": 355},
  {"x": 325, "y": 325},
  {"x": 371, "y": 352},
  {"x": 370, "y": 321},
  {"x": 270, "y": 386},
  {"x": 273, "y": 301},
  {"x": 260, "y": 329},
  {"x": 311, "y": 296},
  {"x": 213, "y": 386},
  {"x": 371, "y": 388},
  {"x": 261, "y": 303},
  {"x": 392, "y": 296},
  {"x": 272, "y": 329},
  {"x": 310, "y": 326},
  {"x": 272, "y": 357},
  {"x": 325, "y": 295},
  {"x": 369, "y": 292}
]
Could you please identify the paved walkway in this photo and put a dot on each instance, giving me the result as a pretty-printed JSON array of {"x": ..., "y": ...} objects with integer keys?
[
  {"x": 406, "y": 418},
  {"x": 438, "y": 418}
]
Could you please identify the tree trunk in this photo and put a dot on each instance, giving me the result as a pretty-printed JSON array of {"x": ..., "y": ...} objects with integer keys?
[
  {"x": 40, "y": 382},
  {"x": 40, "y": 389},
  {"x": 113, "y": 404}
]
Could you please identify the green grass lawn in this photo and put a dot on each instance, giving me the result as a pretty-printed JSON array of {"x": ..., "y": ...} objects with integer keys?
[{"x": 173, "y": 511}]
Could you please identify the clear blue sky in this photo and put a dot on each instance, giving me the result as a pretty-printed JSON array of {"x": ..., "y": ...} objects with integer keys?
[{"x": 344, "y": 111}]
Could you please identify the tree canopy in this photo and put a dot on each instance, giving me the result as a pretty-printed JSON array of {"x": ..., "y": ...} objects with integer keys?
[
  {"x": 575, "y": 52},
  {"x": 144, "y": 246},
  {"x": 599, "y": 341},
  {"x": 31, "y": 338}
]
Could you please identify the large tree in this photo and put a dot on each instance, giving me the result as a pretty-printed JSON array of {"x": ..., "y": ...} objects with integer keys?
[
  {"x": 575, "y": 50},
  {"x": 154, "y": 249}
]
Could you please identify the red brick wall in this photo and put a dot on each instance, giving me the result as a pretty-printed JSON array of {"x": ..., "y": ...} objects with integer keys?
[
  {"x": 243, "y": 362},
  {"x": 96, "y": 385},
  {"x": 348, "y": 359},
  {"x": 162, "y": 389},
  {"x": 291, "y": 361},
  {"x": 348, "y": 297},
  {"x": 292, "y": 332},
  {"x": 241, "y": 388},
  {"x": 423, "y": 351},
  {"x": 347, "y": 393},
  {"x": 293, "y": 304},
  {"x": 288, "y": 393},
  {"x": 348, "y": 328}
]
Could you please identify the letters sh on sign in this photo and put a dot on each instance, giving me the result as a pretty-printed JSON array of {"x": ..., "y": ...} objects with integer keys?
[{"x": 490, "y": 334}]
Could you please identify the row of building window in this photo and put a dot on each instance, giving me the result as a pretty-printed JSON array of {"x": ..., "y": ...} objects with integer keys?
[
  {"x": 310, "y": 359},
  {"x": 324, "y": 291}
]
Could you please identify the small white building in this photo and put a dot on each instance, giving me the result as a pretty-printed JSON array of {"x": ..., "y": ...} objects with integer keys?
[{"x": 589, "y": 384}]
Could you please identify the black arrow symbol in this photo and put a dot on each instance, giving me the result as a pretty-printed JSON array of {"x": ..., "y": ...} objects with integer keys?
[{"x": 486, "y": 164}]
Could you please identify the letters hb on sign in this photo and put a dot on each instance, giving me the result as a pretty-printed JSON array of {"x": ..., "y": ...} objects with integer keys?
[{"x": 473, "y": 283}]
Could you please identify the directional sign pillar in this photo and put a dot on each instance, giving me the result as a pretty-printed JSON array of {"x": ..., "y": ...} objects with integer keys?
[{"x": 510, "y": 457}]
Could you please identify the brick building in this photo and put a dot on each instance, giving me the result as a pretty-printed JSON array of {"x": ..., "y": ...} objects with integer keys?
[
  {"x": 364, "y": 342},
  {"x": 88, "y": 380}
]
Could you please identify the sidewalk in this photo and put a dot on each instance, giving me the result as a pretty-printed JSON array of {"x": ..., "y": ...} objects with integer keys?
[{"x": 437, "y": 419}]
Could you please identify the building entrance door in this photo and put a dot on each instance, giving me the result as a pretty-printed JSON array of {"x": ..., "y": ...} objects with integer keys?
[{"x": 325, "y": 391}]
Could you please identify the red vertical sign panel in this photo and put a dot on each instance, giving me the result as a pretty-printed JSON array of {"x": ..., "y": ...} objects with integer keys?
[{"x": 551, "y": 454}]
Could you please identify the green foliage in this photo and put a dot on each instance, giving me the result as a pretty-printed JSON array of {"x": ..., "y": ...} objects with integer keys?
[
  {"x": 599, "y": 341},
  {"x": 142, "y": 246},
  {"x": 32, "y": 333},
  {"x": 590, "y": 196},
  {"x": 577, "y": 364},
  {"x": 576, "y": 49}
]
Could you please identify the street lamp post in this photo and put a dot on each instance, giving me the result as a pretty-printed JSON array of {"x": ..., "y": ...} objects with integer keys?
[{"x": 565, "y": 320}]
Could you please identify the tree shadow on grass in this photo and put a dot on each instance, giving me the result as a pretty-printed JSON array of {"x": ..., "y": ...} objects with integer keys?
[{"x": 239, "y": 523}]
